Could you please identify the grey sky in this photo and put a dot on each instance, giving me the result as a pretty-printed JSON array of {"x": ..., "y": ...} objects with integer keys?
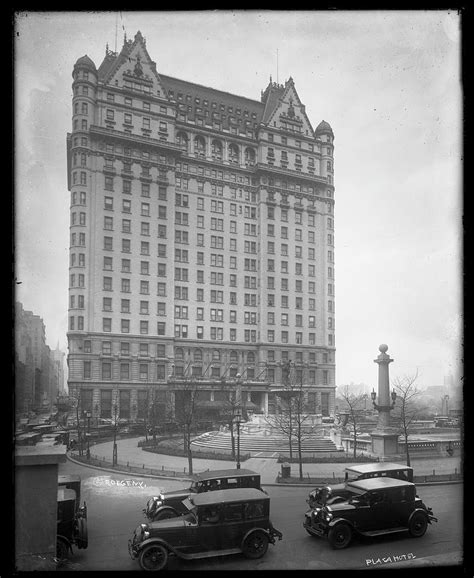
[{"x": 388, "y": 83}]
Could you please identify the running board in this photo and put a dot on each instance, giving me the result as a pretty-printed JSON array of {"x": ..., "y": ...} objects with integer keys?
[
  {"x": 382, "y": 532},
  {"x": 211, "y": 553}
]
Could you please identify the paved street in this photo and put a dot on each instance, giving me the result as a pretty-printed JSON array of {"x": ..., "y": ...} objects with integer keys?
[
  {"x": 269, "y": 468},
  {"x": 115, "y": 500}
]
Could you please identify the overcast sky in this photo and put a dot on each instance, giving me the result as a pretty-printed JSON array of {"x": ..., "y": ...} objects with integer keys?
[{"x": 388, "y": 82}]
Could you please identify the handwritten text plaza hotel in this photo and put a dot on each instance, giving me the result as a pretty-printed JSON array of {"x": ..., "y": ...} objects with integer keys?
[{"x": 201, "y": 241}]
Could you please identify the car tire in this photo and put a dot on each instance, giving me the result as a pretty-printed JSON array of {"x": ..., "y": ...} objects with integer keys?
[
  {"x": 255, "y": 545},
  {"x": 418, "y": 525},
  {"x": 165, "y": 515},
  {"x": 153, "y": 557},
  {"x": 82, "y": 538},
  {"x": 340, "y": 536},
  {"x": 62, "y": 550}
]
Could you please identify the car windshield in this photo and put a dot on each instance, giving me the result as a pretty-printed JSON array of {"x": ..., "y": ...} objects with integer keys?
[{"x": 356, "y": 498}]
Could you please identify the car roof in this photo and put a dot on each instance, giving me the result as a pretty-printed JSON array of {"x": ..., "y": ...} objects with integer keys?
[
  {"x": 67, "y": 478},
  {"x": 379, "y": 484},
  {"x": 223, "y": 496},
  {"x": 377, "y": 467},
  {"x": 234, "y": 473},
  {"x": 65, "y": 494}
]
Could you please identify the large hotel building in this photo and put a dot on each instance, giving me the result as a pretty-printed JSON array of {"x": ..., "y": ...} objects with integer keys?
[{"x": 201, "y": 242}]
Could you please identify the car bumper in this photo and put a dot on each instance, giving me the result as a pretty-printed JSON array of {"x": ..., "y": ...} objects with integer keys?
[
  {"x": 315, "y": 529},
  {"x": 132, "y": 550}
]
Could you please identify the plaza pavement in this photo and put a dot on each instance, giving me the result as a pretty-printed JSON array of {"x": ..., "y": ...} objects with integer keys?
[{"x": 268, "y": 468}]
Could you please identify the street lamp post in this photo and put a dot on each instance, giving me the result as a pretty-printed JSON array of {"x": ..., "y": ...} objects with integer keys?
[
  {"x": 114, "y": 452},
  {"x": 238, "y": 415},
  {"x": 88, "y": 415},
  {"x": 238, "y": 419}
]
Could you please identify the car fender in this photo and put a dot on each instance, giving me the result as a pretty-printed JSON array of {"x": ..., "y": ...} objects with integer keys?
[
  {"x": 270, "y": 537},
  {"x": 66, "y": 541},
  {"x": 164, "y": 509},
  {"x": 428, "y": 516},
  {"x": 157, "y": 541},
  {"x": 336, "y": 521}
]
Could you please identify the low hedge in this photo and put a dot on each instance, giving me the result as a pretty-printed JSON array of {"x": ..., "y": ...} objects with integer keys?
[
  {"x": 174, "y": 451},
  {"x": 332, "y": 459}
]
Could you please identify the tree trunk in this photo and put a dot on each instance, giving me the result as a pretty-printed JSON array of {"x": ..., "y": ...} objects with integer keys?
[
  {"x": 189, "y": 451},
  {"x": 232, "y": 438},
  {"x": 300, "y": 456},
  {"x": 406, "y": 449}
]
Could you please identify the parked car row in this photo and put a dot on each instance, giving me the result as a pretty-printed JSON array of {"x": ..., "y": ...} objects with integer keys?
[{"x": 227, "y": 512}]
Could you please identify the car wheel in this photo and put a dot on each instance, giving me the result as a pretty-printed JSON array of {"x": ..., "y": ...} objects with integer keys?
[
  {"x": 340, "y": 536},
  {"x": 165, "y": 515},
  {"x": 153, "y": 557},
  {"x": 62, "y": 550},
  {"x": 418, "y": 524},
  {"x": 255, "y": 545},
  {"x": 82, "y": 539}
]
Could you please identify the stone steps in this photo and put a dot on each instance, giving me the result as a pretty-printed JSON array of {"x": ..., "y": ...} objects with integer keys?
[{"x": 268, "y": 443}]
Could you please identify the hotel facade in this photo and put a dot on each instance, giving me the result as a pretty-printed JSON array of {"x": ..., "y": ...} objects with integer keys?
[{"x": 201, "y": 243}]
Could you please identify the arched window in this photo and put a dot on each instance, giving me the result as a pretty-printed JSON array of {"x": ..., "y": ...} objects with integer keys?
[
  {"x": 216, "y": 355},
  {"x": 216, "y": 149},
  {"x": 249, "y": 156},
  {"x": 197, "y": 355},
  {"x": 250, "y": 357},
  {"x": 182, "y": 140},
  {"x": 233, "y": 358},
  {"x": 179, "y": 353},
  {"x": 233, "y": 153},
  {"x": 199, "y": 146}
]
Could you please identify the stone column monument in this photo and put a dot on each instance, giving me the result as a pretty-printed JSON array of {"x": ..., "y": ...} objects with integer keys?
[{"x": 384, "y": 437}]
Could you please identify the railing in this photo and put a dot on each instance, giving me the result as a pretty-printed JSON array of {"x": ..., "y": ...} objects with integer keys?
[{"x": 131, "y": 467}]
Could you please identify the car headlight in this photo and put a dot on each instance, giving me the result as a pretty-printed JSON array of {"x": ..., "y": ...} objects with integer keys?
[
  {"x": 145, "y": 532},
  {"x": 328, "y": 517}
]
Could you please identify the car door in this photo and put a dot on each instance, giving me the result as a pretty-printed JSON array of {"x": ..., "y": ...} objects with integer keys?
[
  {"x": 233, "y": 525},
  {"x": 209, "y": 527},
  {"x": 381, "y": 511}
]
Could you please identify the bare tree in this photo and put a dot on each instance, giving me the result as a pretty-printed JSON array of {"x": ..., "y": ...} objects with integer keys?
[
  {"x": 406, "y": 408},
  {"x": 228, "y": 413},
  {"x": 282, "y": 420},
  {"x": 187, "y": 414},
  {"x": 293, "y": 413},
  {"x": 354, "y": 403}
]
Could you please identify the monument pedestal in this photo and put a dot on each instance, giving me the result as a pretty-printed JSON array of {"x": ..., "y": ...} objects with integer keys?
[{"x": 384, "y": 443}]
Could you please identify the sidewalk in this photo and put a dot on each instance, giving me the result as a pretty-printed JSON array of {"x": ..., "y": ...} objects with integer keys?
[{"x": 269, "y": 468}]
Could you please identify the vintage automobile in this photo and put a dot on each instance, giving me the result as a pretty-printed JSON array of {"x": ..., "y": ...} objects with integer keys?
[
  {"x": 330, "y": 494},
  {"x": 170, "y": 505},
  {"x": 72, "y": 517},
  {"x": 216, "y": 524},
  {"x": 377, "y": 506}
]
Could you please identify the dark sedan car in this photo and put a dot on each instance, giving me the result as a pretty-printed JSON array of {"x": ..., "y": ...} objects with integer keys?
[
  {"x": 217, "y": 523},
  {"x": 333, "y": 493},
  {"x": 170, "y": 505},
  {"x": 377, "y": 506}
]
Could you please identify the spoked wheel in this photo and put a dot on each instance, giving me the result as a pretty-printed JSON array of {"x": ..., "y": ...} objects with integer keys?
[
  {"x": 82, "y": 539},
  {"x": 255, "y": 545},
  {"x": 418, "y": 525},
  {"x": 340, "y": 536},
  {"x": 165, "y": 515},
  {"x": 62, "y": 550},
  {"x": 153, "y": 557}
]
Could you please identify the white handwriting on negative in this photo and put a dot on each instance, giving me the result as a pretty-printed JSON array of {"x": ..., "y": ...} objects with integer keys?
[
  {"x": 133, "y": 483},
  {"x": 387, "y": 559}
]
